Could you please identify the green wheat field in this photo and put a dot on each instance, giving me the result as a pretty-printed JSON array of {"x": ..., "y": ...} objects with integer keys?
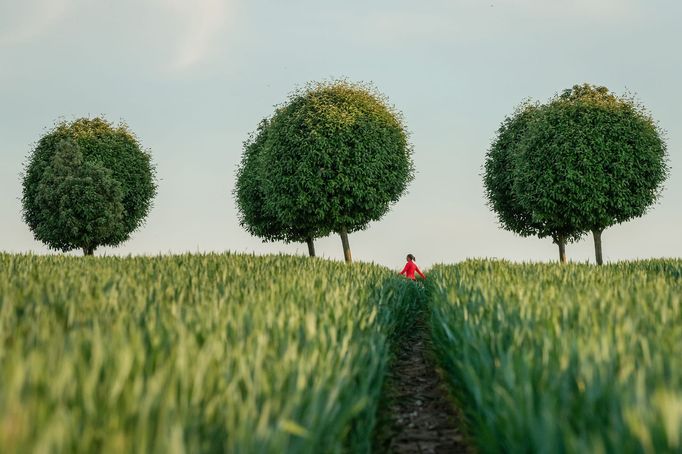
[{"x": 238, "y": 353}]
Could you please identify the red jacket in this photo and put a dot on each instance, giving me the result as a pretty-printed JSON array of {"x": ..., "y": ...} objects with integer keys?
[{"x": 410, "y": 268}]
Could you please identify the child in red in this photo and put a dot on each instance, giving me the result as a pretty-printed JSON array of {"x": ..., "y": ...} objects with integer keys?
[{"x": 411, "y": 267}]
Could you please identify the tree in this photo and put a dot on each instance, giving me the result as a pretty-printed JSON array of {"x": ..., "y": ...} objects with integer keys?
[
  {"x": 87, "y": 184},
  {"x": 499, "y": 182},
  {"x": 337, "y": 156},
  {"x": 250, "y": 197},
  {"x": 602, "y": 160}
]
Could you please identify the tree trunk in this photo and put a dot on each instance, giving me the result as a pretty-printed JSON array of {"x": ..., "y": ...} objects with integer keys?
[
  {"x": 561, "y": 241},
  {"x": 596, "y": 234},
  {"x": 88, "y": 251},
  {"x": 311, "y": 246},
  {"x": 346, "y": 245}
]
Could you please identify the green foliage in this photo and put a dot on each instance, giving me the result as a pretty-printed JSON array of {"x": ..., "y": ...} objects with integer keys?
[
  {"x": 209, "y": 353},
  {"x": 589, "y": 160},
  {"x": 500, "y": 183},
  {"x": 339, "y": 155},
  {"x": 78, "y": 202},
  {"x": 334, "y": 157},
  {"x": 498, "y": 177},
  {"x": 548, "y": 358},
  {"x": 251, "y": 198},
  {"x": 75, "y": 201}
]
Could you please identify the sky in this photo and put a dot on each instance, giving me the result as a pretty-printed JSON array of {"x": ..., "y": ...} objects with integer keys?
[{"x": 192, "y": 79}]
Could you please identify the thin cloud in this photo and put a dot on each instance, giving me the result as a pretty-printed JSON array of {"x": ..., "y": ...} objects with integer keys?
[
  {"x": 204, "y": 20},
  {"x": 472, "y": 20},
  {"x": 23, "y": 21}
]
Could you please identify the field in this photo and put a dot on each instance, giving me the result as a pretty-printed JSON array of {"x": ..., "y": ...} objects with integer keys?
[
  {"x": 237, "y": 353},
  {"x": 217, "y": 353},
  {"x": 551, "y": 358}
]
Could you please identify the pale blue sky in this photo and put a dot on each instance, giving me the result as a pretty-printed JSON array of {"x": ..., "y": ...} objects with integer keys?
[{"x": 193, "y": 78}]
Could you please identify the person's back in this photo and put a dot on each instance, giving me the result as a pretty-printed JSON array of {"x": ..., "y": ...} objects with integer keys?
[{"x": 411, "y": 267}]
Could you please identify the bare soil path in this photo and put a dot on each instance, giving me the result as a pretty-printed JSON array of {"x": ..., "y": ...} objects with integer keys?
[{"x": 417, "y": 415}]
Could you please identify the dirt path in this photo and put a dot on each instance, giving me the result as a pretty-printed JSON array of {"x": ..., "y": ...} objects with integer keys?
[{"x": 417, "y": 415}]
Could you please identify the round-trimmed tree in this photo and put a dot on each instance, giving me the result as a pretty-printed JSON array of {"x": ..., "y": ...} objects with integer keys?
[
  {"x": 499, "y": 182},
  {"x": 87, "y": 183},
  {"x": 590, "y": 159},
  {"x": 338, "y": 156}
]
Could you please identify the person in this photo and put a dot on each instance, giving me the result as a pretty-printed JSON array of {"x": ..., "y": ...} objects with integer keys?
[{"x": 411, "y": 267}]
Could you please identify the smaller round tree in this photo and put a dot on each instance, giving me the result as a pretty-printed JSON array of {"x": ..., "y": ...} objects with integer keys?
[
  {"x": 337, "y": 156},
  {"x": 602, "y": 159},
  {"x": 87, "y": 184}
]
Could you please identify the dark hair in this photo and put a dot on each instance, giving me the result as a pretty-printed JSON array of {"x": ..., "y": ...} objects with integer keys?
[{"x": 411, "y": 257}]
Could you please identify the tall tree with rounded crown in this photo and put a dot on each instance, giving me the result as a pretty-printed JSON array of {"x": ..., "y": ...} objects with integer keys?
[
  {"x": 338, "y": 157},
  {"x": 590, "y": 159}
]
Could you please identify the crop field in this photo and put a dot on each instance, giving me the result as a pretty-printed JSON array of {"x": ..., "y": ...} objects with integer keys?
[
  {"x": 550, "y": 358},
  {"x": 237, "y": 353},
  {"x": 207, "y": 353}
]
